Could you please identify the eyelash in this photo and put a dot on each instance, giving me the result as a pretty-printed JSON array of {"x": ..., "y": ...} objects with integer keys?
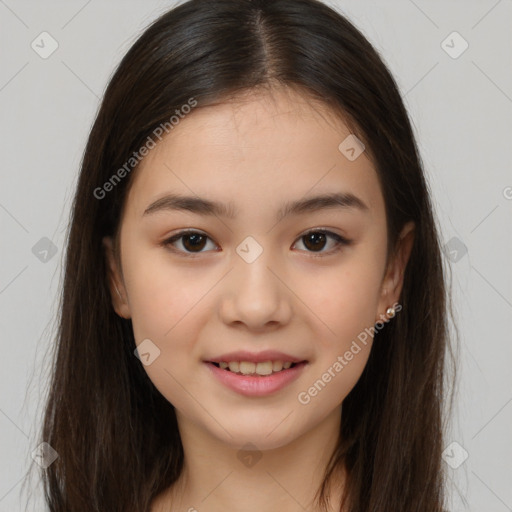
[{"x": 340, "y": 242}]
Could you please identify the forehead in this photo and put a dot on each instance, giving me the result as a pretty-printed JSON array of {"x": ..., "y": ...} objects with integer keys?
[
  {"x": 257, "y": 147},
  {"x": 259, "y": 113}
]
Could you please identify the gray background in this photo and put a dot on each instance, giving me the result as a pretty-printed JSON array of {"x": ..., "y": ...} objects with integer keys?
[{"x": 461, "y": 109}]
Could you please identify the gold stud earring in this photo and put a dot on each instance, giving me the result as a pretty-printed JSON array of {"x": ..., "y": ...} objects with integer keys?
[{"x": 390, "y": 312}]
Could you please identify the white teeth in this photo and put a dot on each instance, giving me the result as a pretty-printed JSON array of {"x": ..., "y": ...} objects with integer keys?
[
  {"x": 264, "y": 368},
  {"x": 277, "y": 366},
  {"x": 250, "y": 368},
  {"x": 245, "y": 367}
]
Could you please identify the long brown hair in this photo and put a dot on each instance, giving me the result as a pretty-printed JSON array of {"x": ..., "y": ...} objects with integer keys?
[{"x": 115, "y": 434}]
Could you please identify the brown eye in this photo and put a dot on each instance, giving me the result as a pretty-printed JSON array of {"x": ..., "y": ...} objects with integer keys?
[
  {"x": 191, "y": 241},
  {"x": 194, "y": 242},
  {"x": 315, "y": 241}
]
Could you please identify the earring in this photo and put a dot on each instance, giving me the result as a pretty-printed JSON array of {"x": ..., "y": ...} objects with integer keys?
[{"x": 390, "y": 312}]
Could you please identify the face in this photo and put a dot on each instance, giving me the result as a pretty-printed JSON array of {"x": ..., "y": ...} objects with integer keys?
[{"x": 253, "y": 284}]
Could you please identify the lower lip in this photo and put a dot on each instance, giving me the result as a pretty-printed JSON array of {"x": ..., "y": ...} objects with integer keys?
[{"x": 257, "y": 385}]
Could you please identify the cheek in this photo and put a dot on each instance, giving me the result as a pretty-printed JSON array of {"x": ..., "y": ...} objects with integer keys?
[
  {"x": 345, "y": 305},
  {"x": 345, "y": 300},
  {"x": 161, "y": 295},
  {"x": 166, "y": 308}
]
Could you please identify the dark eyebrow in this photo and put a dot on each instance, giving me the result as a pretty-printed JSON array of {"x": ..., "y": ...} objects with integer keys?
[{"x": 203, "y": 206}]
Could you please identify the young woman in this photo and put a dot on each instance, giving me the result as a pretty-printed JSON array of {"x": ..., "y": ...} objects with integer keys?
[{"x": 254, "y": 310}]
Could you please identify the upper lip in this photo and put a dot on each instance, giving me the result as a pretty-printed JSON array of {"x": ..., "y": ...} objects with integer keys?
[{"x": 255, "y": 357}]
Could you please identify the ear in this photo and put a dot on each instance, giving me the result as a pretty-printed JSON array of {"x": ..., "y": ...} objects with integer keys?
[
  {"x": 115, "y": 282},
  {"x": 394, "y": 277}
]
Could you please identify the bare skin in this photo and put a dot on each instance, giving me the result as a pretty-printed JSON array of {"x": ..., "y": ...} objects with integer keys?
[{"x": 302, "y": 298}]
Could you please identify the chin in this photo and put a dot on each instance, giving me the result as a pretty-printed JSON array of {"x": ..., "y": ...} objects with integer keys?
[{"x": 263, "y": 434}]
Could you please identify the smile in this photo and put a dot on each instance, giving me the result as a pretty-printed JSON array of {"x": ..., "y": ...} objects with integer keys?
[
  {"x": 256, "y": 379},
  {"x": 250, "y": 368}
]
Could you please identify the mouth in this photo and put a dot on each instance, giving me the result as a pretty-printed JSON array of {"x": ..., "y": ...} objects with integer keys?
[
  {"x": 261, "y": 369},
  {"x": 256, "y": 379},
  {"x": 256, "y": 374}
]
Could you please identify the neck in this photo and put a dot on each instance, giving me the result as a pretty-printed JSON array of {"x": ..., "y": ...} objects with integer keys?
[{"x": 217, "y": 477}]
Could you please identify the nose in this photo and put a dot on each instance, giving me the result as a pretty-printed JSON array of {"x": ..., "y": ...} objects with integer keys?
[{"x": 256, "y": 294}]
